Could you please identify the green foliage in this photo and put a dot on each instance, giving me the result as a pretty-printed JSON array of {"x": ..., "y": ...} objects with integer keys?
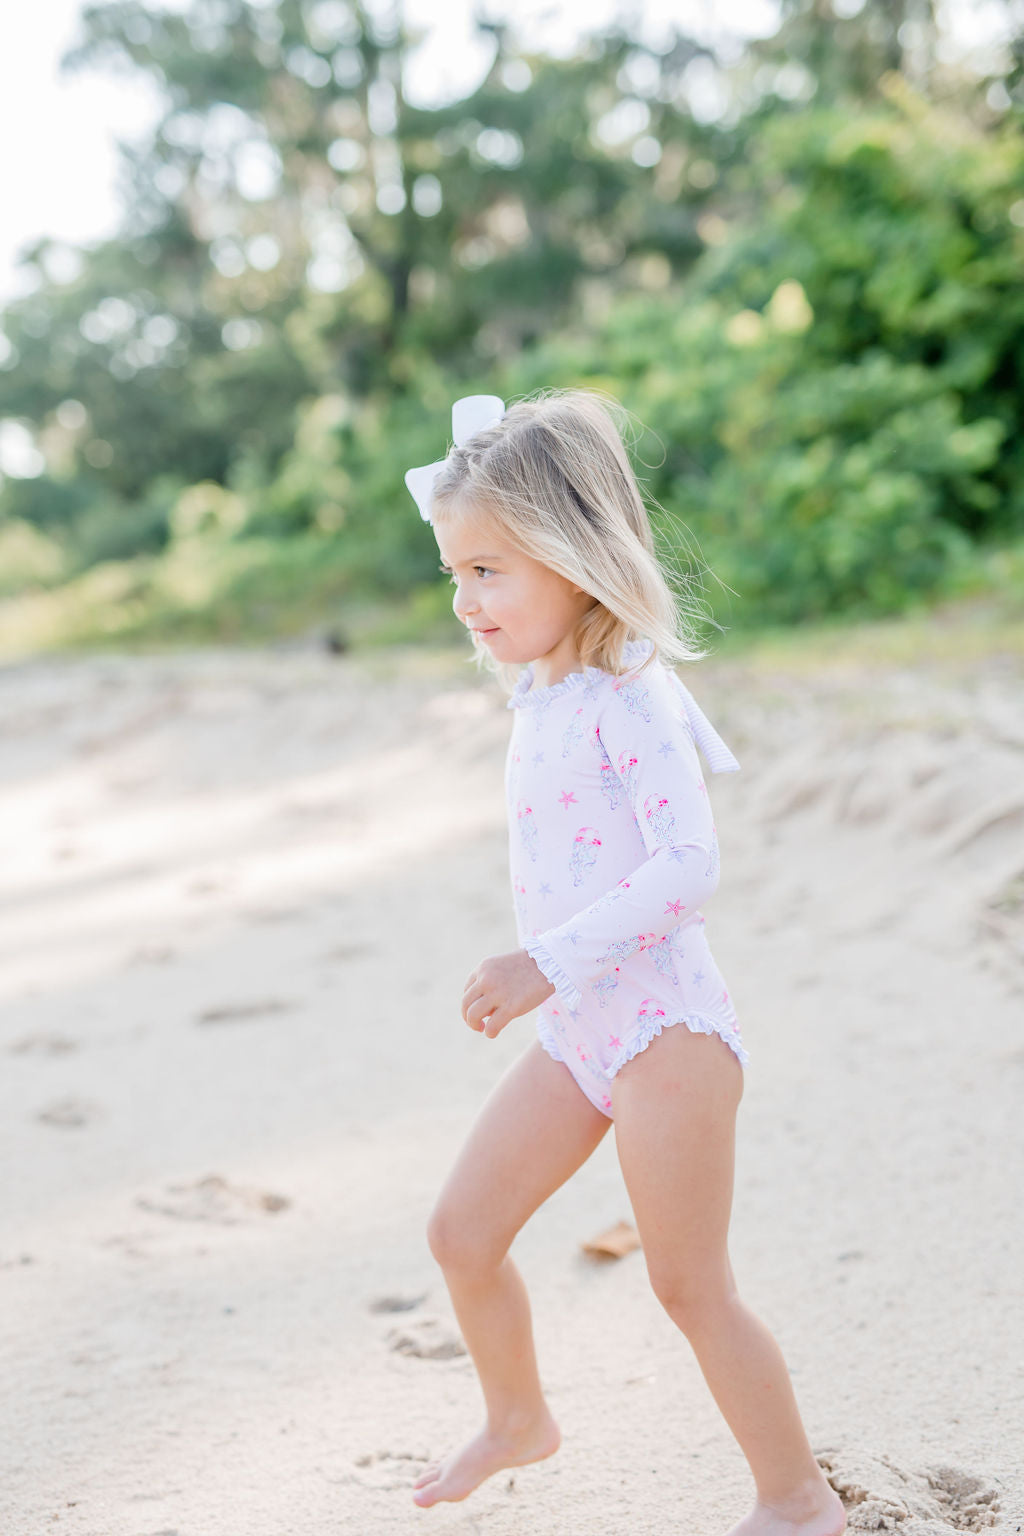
[
  {"x": 116, "y": 530},
  {"x": 832, "y": 396},
  {"x": 28, "y": 559},
  {"x": 813, "y": 307},
  {"x": 53, "y": 505}
]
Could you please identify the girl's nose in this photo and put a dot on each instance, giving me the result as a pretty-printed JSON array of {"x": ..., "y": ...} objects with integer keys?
[{"x": 461, "y": 607}]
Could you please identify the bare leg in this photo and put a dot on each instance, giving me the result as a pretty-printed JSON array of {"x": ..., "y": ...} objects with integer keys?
[
  {"x": 533, "y": 1132},
  {"x": 675, "y": 1106}
]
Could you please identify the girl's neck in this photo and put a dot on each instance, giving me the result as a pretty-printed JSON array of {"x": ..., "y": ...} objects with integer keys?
[{"x": 554, "y": 668}]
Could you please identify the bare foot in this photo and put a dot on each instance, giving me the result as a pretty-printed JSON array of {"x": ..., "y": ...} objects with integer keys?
[
  {"x": 815, "y": 1511},
  {"x": 481, "y": 1457}
]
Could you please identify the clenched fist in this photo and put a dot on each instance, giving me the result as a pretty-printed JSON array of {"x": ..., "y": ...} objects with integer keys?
[{"x": 500, "y": 989}]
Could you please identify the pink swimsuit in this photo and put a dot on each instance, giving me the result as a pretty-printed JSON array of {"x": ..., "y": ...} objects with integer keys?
[{"x": 612, "y": 851}]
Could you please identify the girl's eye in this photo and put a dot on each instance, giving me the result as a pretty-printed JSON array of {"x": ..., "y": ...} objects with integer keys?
[{"x": 451, "y": 574}]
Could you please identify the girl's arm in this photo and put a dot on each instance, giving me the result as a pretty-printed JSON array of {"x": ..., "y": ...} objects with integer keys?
[{"x": 647, "y": 729}]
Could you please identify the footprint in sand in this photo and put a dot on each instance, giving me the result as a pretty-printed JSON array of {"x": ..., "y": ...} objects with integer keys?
[
  {"x": 880, "y": 1496},
  {"x": 386, "y": 1469},
  {"x": 205, "y": 885},
  {"x": 348, "y": 952},
  {"x": 396, "y": 1303},
  {"x": 70, "y": 1112},
  {"x": 43, "y": 1045},
  {"x": 426, "y": 1339},
  {"x": 274, "y": 914},
  {"x": 132, "y": 1245},
  {"x": 237, "y": 1013},
  {"x": 150, "y": 954},
  {"x": 213, "y": 1199}
]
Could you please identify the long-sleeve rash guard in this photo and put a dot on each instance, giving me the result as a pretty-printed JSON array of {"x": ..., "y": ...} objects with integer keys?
[{"x": 613, "y": 850}]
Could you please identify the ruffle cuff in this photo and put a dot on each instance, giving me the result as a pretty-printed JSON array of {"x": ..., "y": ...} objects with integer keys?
[{"x": 545, "y": 960}]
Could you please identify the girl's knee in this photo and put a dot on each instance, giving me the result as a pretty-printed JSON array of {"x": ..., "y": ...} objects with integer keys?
[
  {"x": 457, "y": 1241},
  {"x": 442, "y": 1236},
  {"x": 693, "y": 1300}
]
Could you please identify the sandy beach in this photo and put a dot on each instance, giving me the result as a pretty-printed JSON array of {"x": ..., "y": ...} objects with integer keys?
[{"x": 242, "y": 892}]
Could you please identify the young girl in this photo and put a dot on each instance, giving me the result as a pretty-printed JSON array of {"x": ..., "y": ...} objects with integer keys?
[{"x": 542, "y": 528}]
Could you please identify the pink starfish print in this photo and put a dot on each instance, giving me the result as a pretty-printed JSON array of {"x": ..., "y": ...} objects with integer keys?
[
  {"x": 614, "y": 1042},
  {"x": 676, "y": 907},
  {"x": 567, "y": 798}
]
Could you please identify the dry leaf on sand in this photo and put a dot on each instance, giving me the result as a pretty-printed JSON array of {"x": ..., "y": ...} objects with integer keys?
[{"x": 613, "y": 1244}]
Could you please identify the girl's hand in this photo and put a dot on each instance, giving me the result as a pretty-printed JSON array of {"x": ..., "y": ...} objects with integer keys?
[{"x": 500, "y": 989}]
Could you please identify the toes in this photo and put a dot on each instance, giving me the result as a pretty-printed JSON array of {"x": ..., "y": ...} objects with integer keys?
[{"x": 429, "y": 1475}]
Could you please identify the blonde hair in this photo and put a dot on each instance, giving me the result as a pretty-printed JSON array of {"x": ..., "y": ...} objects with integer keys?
[{"x": 553, "y": 476}]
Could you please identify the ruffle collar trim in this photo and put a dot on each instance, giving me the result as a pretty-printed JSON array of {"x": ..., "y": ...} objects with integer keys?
[{"x": 524, "y": 697}]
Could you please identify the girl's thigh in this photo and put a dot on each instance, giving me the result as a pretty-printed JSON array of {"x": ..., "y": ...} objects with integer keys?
[
  {"x": 675, "y": 1113},
  {"x": 532, "y": 1133}
]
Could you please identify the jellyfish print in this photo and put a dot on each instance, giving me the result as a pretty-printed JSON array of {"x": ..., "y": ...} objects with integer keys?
[
  {"x": 573, "y": 733},
  {"x": 527, "y": 828},
  {"x": 615, "y": 894},
  {"x": 604, "y": 986},
  {"x": 584, "y": 853},
  {"x": 623, "y": 948},
  {"x": 628, "y": 765},
  {"x": 650, "y": 1017},
  {"x": 555, "y": 1023},
  {"x": 663, "y": 954},
  {"x": 611, "y": 784},
  {"x": 714, "y": 861},
  {"x": 659, "y": 818},
  {"x": 636, "y": 699},
  {"x": 687, "y": 724}
]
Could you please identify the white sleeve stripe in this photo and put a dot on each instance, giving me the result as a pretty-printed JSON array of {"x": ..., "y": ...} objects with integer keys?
[{"x": 719, "y": 758}]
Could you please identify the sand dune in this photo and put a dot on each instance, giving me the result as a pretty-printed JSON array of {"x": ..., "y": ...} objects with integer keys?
[{"x": 241, "y": 894}]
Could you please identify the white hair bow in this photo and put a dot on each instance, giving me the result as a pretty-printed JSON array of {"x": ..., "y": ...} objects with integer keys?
[{"x": 471, "y": 414}]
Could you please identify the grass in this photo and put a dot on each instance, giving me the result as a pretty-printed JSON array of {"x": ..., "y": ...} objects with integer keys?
[{"x": 961, "y": 630}]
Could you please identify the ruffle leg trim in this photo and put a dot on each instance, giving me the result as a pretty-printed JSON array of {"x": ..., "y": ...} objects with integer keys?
[
  {"x": 696, "y": 1023},
  {"x": 567, "y": 991},
  {"x": 547, "y": 1040}
]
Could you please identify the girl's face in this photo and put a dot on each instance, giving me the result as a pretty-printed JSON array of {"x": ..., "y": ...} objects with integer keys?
[{"x": 520, "y": 609}]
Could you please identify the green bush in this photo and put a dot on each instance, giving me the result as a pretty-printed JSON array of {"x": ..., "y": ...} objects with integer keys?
[{"x": 833, "y": 396}]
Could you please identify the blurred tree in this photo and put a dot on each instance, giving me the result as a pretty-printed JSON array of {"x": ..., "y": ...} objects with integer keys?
[
  {"x": 295, "y": 227},
  {"x": 837, "y": 392},
  {"x": 845, "y": 48},
  {"x": 311, "y": 266}
]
